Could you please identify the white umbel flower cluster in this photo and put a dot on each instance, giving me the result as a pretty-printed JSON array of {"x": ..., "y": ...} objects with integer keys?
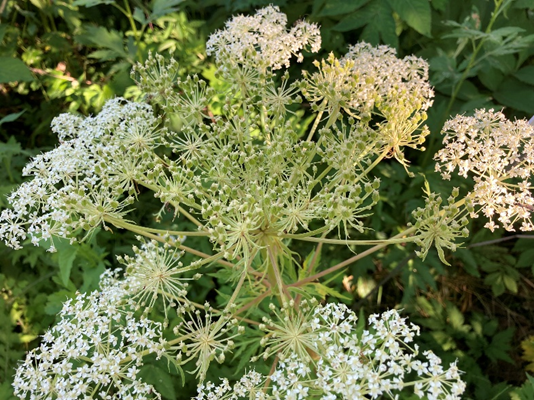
[
  {"x": 499, "y": 154},
  {"x": 89, "y": 177},
  {"x": 95, "y": 349},
  {"x": 378, "y": 362},
  {"x": 263, "y": 39}
]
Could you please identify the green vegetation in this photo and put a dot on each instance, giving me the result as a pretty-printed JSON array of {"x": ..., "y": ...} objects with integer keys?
[{"x": 72, "y": 56}]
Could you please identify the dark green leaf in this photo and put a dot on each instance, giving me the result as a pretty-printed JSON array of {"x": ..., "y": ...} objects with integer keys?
[
  {"x": 469, "y": 261},
  {"x": 377, "y": 17},
  {"x": 516, "y": 94},
  {"x": 66, "y": 253},
  {"x": 526, "y": 259},
  {"x": 14, "y": 70},
  {"x": 526, "y": 74},
  {"x": 11, "y": 117},
  {"x": 500, "y": 346},
  {"x": 160, "y": 379},
  {"x": 439, "y": 5},
  {"x": 416, "y": 13}
]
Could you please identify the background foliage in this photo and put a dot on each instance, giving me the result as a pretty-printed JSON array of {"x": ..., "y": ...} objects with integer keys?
[{"x": 70, "y": 56}]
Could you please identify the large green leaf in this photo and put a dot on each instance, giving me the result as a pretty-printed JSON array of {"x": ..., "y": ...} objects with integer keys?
[
  {"x": 102, "y": 38},
  {"x": 516, "y": 94},
  {"x": 416, "y": 13},
  {"x": 66, "y": 253},
  {"x": 526, "y": 74},
  {"x": 14, "y": 70},
  {"x": 377, "y": 17}
]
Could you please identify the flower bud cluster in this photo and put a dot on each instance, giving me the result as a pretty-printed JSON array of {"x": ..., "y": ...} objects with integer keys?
[
  {"x": 155, "y": 271},
  {"x": 500, "y": 156},
  {"x": 206, "y": 337},
  {"x": 440, "y": 225},
  {"x": 371, "y": 81}
]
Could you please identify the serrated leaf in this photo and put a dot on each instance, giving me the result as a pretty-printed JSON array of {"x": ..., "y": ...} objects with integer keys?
[
  {"x": 500, "y": 346},
  {"x": 377, "y": 17},
  {"x": 109, "y": 39},
  {"x": 160, "y": 379},
  {"x": 14, "y": 70},
  {"x": 339, "y": 7},
  {"x": 416, "y": 13}
]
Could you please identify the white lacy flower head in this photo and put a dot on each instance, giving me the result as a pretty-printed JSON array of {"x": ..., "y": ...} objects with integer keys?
[
  {"x": 88, "y": 177},
  {"x": 100, "y": 329},
  {"x": 500, "y": 155},
  {"x": 263, "y": 39},
  {"x": 379, "y": 362}
]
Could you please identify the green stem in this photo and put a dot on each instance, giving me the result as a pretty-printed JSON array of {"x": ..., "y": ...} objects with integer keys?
[
  {"x": 352, "y": 242},
  {"x": 315, "y": 125},
  {"x": 353, "y": 259},
  {"x": 126, "y": 225}
]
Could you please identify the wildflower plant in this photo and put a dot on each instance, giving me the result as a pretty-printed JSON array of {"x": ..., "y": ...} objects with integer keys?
[{"x": 242, "y": 171}]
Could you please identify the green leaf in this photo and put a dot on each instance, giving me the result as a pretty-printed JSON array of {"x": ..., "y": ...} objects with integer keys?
[
  {"x": 514, "y": 93},
  {"x": 103, "y": 38},
  {"x": 439, "y": 5},
  {"x": 339, "y": 7},
  {"x": 163, "y": 7},
  {"x": 510, "y": 283},
  {"x": 66, "y": 253},
  {"x": 14, "y": 70},
  {"x": 469, "y": 261},
  {"x": 324, "y": 290},
  {"x": 526, "y": 259},
  {"x": 377, "y": 17},
  {"x": 11, "y": 117},
  {"x": 104, "y": 55},
  {"x": 92, "y": 3},
  {"x": 526, "y": 74},
  {"x": 416, "y": 13},
  {"x": 500, "y": 346},
  {"x": 160, "y": 379},
  {"x": 139, "y": 16},
  {"x": 525, "y": 392}
]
